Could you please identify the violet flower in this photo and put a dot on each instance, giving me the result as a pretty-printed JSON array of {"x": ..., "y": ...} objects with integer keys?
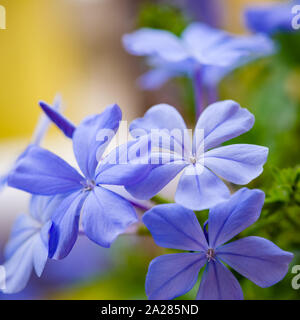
[
  {"x": 203, "y": 53},
  {"x": 105, "y": 214},
  {"x": 203, "y": 161},
  {"x": 172, "y": 226},
  {"x": 28, "y": 247}
]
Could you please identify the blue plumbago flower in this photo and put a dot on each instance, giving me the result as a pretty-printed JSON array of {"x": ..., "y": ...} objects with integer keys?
[
  {"x": 172, "y": 226},
  {"x": 105, "y": 213},
  {"x": 203, "y": 160},
  {"x": 38, "y": 135},
  {"x": 68, "y": 128},
  {"x": 203, "y": 53},
  {"x": 28, "y": 246},
  {"x": 271, "y": 18}
]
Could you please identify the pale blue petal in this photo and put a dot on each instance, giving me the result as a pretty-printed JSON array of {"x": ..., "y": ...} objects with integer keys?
[
  {"x": 41, "y": 249},
  {"x": 161, "y": 116},
  {"x": 24, "y": 228},
  {"x": 173, "y": 226},
  {"x": 218, "y": 283},
  {"x": 106, "y": 215},
  {"x": 154, "y": 42},
  {"x": 199, "y": 191},
  {"x": 42, "y": 172},
  {"x": 203, "y": 40},
  {"x": 165, "y": 129},
  {"x": 3, "y": 181},
  {"x": 238, "y": 163},
  {"x": 120, "y": 167},
  {"x": 229, "y": 218},
  {"x": 173, "y": 275},
  {"x": 18, "y": 267},
  {"x": 221, "y": 121},
  {"x": 92, "y": 136},
  {"x": 42, "y": 207},
  {"x": 257, "y": 259},
  {"x": 27, "y": 247},
  {"x": 156, "y": 180},
  {"x": 64, "y": 231},
  {"x": 4, "y": 178}
]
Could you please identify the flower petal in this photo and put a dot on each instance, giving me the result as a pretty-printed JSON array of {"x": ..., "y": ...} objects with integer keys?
[
  {"x": 3, "y": 181},
  {"x": 155, "y": 78},
  {"x": 42, "y": 172},
  {"x": 25, "y": 249},
  {"x": 203, "y": 41},
  {"x": 156, "y": 180},
  {"x": 173, "y": 275},
  {"x": 218, "y": 283},
  {"x": 200, "y": 189},
  {"x": 24, "y": 228},
  {"x": 120, "y": 167},
  {"x": 61, "y": 122},
  {"x": 42, "y": 207},
  {"x": 161, "y": 116},
  {"x": 237, "y": 163},
  {"x": 221, "y": 121},
  {"x": 106, "y": 215},
  {"x": 257, "y": 259},
  {"x": 41, "y": 249},
  {"x": 165, "y": 127},
  {"x": 64, "y": 231},
  {"x": 173, "y": 226},
  {"x": 18, "y": 267},
  {"x": 92, "y": 136},
  {"x": 154, "y": 42},
  {"x": 44, "y": 122},
  {"x": 229, "y": 218}
]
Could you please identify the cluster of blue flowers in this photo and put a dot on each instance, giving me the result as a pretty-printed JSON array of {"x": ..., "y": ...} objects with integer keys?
[
  {"x": 66, "y": 201},
  {"x": 206, "y": 61}
]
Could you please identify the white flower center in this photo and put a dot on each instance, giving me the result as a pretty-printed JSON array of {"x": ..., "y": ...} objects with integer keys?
[
  {"x": 210, "y": 254},
  {"x": 193, "y": 160},
  {"x": 88, "y": 185}
]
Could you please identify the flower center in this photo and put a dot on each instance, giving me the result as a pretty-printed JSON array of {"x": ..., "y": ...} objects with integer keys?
[
  {"x": 210, "y": 254},
  {"x": 193, "y": 159},
  {"x": 88, "y": 185}
]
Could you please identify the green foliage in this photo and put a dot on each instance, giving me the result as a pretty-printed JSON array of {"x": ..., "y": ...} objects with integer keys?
[
  {"x": 286, "y": 189},
  {"x": 162, "y": 16},
  {"x": 264, "y": 88},
  {"x": 289, "y": 45},
  {"x": 280, "y": 217}
]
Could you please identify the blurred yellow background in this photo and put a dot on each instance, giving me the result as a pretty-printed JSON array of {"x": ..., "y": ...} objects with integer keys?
[
  {"x": 72, "y": 47},
  {"x": 66, "y": 46}
]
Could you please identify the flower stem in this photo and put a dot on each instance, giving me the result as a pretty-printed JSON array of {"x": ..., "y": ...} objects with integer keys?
[
  {"x": 212, "y": 94},
  {"x": 159, "y": 200},
  {"x": 198, "y": 92}
]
